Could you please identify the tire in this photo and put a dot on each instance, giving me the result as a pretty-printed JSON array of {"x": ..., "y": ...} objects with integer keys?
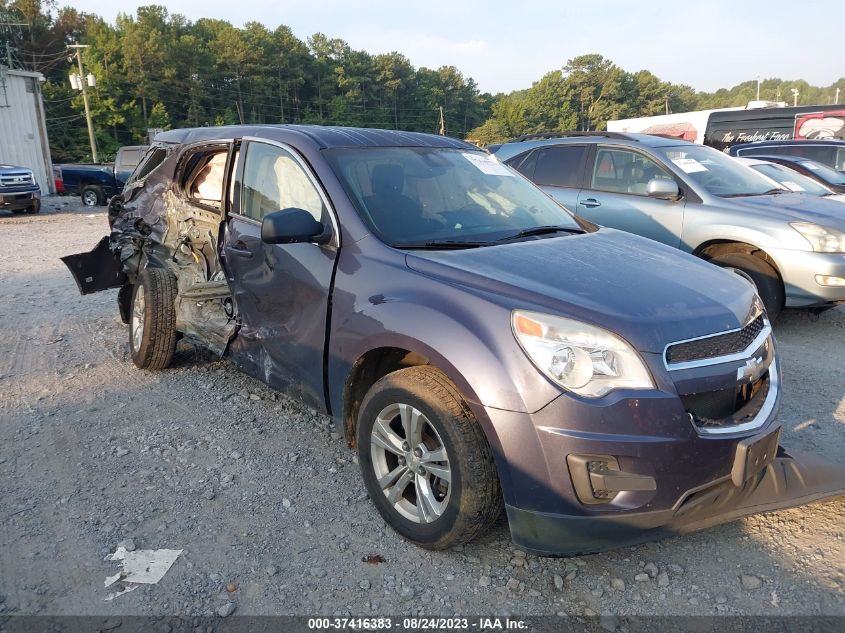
[
  {"x": 462, "y": 508},
  {"x": 764, "y": 276},
  {"x": 152, "y": 321},
  {"x": 34, "y": 208},
  {"x": 93, "y": 196}
]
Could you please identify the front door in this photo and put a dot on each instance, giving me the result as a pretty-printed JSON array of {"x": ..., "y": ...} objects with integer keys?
[
  {"x": 616, "y": 197},
  {"x": 281, "y": 291}
]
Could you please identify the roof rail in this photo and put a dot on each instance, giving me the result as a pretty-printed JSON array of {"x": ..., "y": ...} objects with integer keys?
[{"x": 570, "y": 133}]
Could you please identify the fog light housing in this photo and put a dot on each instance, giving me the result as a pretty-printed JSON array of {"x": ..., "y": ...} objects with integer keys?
[
  {"x": 830, "y": 280},
  {"x": 598, "y": 478}
]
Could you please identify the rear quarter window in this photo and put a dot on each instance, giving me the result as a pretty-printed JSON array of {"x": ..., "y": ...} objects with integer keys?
[
  {"x": 152, "y": 159},
  {"x": 559, "y": 166}
]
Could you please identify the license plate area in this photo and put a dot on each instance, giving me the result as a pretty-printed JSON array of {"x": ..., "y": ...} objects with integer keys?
[{"x": 753, "y": 454}]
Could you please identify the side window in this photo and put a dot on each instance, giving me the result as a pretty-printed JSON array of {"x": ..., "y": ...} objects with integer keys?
[
  {"x": 623, "y": 171},
  {"x": 152, "y": 159},
  {"x": 203, "y": 176},
  {"x": 559, "y": 166},
  {"x": 525, "y": 164},
  {"x": 273, "y": 180},
  {"x": 818, "y": 153}
]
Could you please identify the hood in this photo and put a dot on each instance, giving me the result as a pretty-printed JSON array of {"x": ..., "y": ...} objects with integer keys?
[
  {"x": 649, "y": 293},
  {"x": 797, "y": 206}
]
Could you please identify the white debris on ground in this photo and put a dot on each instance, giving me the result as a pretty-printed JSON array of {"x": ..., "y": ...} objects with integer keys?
[{"x": 143, "y": 566}]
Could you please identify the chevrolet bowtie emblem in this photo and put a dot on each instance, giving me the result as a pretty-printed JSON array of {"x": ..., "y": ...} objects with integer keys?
[{"x": 751, "y": 370}]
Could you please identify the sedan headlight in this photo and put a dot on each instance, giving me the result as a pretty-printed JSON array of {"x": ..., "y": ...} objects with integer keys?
[
  {"x": 821, "y": 238},
  {"x": 579, "y": 357}
]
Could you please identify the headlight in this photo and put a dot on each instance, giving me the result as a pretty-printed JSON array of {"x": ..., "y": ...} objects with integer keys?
[
  {"x": 581, "y": 358},
  {"x": 822, "y": 239}
]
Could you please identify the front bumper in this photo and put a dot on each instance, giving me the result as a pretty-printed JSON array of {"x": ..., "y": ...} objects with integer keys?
[
  {"x": 670, "y": 474},
  {"x": 790, "y": 480},
  {"x": 799, "y": 270},
  {"x": 15, "y": 200}
]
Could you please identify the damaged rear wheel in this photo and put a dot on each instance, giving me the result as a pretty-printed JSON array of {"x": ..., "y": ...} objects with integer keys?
[{"x": 152, "y": 323}]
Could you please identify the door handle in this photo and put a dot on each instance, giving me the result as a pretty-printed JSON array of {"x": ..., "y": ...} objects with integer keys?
[
  {"x": 590, "y": 203},
  {"x": 239, "y": 249}
]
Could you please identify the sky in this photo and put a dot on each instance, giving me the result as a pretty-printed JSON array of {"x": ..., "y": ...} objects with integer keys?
[{"x": 507, "y": 45}]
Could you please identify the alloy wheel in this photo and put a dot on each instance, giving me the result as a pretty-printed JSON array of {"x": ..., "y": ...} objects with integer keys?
[
  {"x": 411, "y": 463},
  {"x": 137, "y": 325}
]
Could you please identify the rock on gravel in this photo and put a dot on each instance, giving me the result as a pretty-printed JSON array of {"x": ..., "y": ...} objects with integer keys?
[
  {"x": 617, "y": 584},
  {"x": 750, "y": 583},
  {"x": 226, "y": 610}
]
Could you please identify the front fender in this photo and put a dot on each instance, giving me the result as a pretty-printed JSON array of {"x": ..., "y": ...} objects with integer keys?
[
  {"x": 477, "y": 352},
  {"x": 696, "y": 237}
]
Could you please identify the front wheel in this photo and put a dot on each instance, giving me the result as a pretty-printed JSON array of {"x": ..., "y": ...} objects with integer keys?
[
  {"x": 152, "y": 320},
  {"x": 425, "y": 461},
  {"x": 765, "y": 278}
]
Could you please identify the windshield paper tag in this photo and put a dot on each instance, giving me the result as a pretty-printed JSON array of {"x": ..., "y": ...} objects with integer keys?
[
  {"x": 487, "y": 164},
  {"x": 689, "y": 165},
  {"x": 792, "y": 186}
]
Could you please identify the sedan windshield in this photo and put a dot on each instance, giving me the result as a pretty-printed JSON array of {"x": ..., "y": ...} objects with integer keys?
[
  {"x": 791, "y": 179},
  {"x": 435, "y": 197},
  {"x": 717, "y": 173},
  {"x": 828, "y": 174}
]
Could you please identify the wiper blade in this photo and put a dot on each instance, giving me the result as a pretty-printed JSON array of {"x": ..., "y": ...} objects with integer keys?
[
  {"x": 770, "y": 192},
  {"x": 541, "y": 230},
  {"x": 440, "y": 244}
]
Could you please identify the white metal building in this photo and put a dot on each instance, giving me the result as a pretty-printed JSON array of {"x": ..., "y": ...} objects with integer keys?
[{"x": 23, "y": 128}]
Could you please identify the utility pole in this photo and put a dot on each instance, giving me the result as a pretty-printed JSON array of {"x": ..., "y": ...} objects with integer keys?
[
  {"x": 795, "y": 94},
  {"x": 666, "y": 102},
  {"x": 836, "y": 99},
  {"x": 82, "y": 82},
  {"x": 758, "y": 87},
  {"x": 442, "y": 123}
]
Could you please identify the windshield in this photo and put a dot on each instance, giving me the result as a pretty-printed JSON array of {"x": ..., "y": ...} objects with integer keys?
[
  {"x": 828, "y": 174},
  {"x": 717, "y": 173},
  {"x": 429, "y": 196},
  {"x": 791, "y": 179}
]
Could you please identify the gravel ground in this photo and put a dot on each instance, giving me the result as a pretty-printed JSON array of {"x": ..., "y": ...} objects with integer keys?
[{"x": 268, "y": 504}]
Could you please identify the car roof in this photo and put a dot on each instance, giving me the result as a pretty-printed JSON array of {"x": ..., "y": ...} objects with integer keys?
[
  {"x": 809, "y": 141},
  {"x": 523, "y": 144},
  {"x": 782, "y": 158},
  {"x": 323, "y": 136}
]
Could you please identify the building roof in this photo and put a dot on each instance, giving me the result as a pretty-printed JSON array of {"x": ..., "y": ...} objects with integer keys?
[{"x": 325, "y": 137}]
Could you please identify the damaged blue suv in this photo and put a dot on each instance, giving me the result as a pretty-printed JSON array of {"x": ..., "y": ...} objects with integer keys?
[{"x": 478, "y": 345}]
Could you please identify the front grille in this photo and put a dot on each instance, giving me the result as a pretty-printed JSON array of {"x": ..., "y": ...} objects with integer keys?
[
  {"x": 15, "y": 179},
  {"x": 727, "y": 407},
  {"x": 715, "y": 346}
]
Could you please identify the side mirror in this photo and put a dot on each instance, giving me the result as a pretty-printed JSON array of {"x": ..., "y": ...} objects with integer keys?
[
  {"x": 663, "y": 188},
  {"x": 293, "y": 226}
]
